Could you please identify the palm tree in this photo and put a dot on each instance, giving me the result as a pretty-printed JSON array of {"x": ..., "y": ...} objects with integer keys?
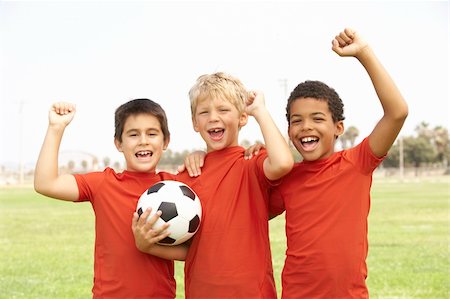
[{"x": 349, "y": 137}]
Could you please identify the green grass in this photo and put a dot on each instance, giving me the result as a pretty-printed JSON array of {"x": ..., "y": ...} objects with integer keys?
[
  {"x": 409, "y": 240},
  {"x": 46, "y": 246}
]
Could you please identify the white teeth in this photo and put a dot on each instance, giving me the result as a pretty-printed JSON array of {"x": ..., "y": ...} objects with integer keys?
[
  {"x": 215, "y": 130},
  {"x": 144, "y": 153},
  {"x": 309, "y": 139}
]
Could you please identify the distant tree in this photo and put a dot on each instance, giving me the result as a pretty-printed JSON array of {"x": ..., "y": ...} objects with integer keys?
[
  {"x": 84, "y": 165},
  {"x": 352, "y": 133},
  {"x": 348, "y": 138},
  {"x": 71, "y": 166},
  {"x": 418, "y": 151},
  {"x": 423, "y": 130},
  {"x": 94, "y": 163},
  {"x": 295, "y": 153},
  {"x": 245, "y": 143},
  {"x": 393, "y": 157},
  {"x": 439, "y": 138},
  {"x": 106, "y": 161},
  {"x": 442, "y": 144},
  {"x": 166, "y": 158},
  {"x": 178, "y": 158},
  {"x": 117, "y": 166}
]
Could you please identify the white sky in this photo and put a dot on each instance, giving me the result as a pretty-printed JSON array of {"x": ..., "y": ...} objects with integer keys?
[{"x": 101, "y": 54}]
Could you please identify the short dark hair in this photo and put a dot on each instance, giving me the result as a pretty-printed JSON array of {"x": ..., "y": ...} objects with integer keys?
[
  {"x": 321, "y": 91},
  {"x": 136, "y": 107}
]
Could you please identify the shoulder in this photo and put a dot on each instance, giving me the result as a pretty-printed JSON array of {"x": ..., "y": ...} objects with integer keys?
[
  {"x": 363, "y": 157},
  {"x": 94, "y": 178},
  {"x": 361, "y": 149}
]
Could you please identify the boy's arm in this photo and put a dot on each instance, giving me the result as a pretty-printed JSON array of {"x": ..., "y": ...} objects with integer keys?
[
  {"x": 194, "y": 162},
  {"x": 47, "y": 181},
  {"x": 349, "y": 43},
  {"x": 146, "y": 237},
  {"x": 279, "y": 161}
]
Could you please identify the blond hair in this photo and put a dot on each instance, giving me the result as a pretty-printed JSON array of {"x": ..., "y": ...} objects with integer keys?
[{"x": 218, "y": 85}]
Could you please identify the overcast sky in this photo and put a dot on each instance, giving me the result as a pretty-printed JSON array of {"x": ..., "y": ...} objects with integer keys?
[{"x": 99, "y": 55}]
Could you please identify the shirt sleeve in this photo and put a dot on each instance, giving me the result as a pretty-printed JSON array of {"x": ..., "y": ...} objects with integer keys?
[
  {"x": 260, "y": 158},
  {"x": 363, "y": 157},
  {"x": 88, "y": 184}
]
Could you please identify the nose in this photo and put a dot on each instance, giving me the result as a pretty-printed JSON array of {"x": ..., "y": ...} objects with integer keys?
[
  {"x": 213, "y": 116},
  {"x": 306, "y": 125},
  {"x": 144, "y": 139}
]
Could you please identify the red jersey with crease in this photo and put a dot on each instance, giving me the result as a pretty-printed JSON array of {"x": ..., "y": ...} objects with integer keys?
[
  {"x": 120, "y": 269},
  {"x": 327, "y": 203},
  {"x": 230, "y": 255}
]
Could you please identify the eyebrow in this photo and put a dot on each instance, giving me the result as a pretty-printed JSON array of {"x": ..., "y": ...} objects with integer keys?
[
  {"x": 313, "y": 114},
  {"x": 137, "y": 130}
]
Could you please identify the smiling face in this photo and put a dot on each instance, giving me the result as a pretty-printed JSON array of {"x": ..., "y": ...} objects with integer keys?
[
  {"x": 312, "y": 129},
  {"x": 142, "y": 142},
  {"x": 218, "y": 122}
]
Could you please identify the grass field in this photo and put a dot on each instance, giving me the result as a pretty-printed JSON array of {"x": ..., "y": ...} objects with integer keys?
[{"x": 46, "y": 246}]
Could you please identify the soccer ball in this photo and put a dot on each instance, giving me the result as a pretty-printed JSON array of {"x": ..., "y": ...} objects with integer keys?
[{"x": 180, "y": 207}]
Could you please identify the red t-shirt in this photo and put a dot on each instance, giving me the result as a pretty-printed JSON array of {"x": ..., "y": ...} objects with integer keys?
[
  {"x": 230, "y": 256},
  {"x": 120, "y": 269},
  {"x": 327, "y": 203}
]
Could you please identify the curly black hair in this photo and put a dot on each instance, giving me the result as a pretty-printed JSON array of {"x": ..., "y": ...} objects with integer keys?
[{"x": 321, "y": 91}]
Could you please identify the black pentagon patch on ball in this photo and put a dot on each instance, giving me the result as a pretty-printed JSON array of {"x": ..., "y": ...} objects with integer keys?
[
  {"x": 167, "y": 240},
  {"x": 140, "y": 212},
  {"x": 169, "y": 210},
  {"x": 193, "y": 224},
  {"x": 187, "y": 192},
  {"x": 155, "y": 188}
]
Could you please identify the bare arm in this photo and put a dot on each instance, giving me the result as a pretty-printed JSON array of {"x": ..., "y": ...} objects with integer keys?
[
  {"x": 349, "y": 43},
  {"x": 47, "y": 181},
  {"x": 279, "y": 161}
]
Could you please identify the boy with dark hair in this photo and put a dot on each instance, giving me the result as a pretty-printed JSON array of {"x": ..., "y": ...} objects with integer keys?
[
  {"x": 327, "y": 195},
  {"x": 141, "y": 134}
]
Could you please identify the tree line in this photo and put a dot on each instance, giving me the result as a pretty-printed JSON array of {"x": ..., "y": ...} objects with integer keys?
[{"x": 427, "y": 147}]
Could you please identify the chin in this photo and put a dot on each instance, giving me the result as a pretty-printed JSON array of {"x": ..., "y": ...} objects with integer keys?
[{"x": 144, "y": 168}]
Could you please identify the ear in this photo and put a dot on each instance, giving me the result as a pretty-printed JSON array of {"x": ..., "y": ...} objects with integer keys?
[
  {"x": 194, "y": 125},
  {"x": 339, "y": 128},
  {"x": 243, "y": 119},
  {"x": 118, "y": 145},
  {"x": 166, "y": 143}
]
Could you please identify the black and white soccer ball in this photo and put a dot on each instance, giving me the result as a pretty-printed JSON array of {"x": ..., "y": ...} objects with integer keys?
[{"x": 180, "y": 207}]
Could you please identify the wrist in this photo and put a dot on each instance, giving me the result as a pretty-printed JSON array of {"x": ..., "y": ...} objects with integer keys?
[
  {"x": 365, "y": 54},
  {"x": 56, "y": 128},
  {"x": 260, "y": 113}
]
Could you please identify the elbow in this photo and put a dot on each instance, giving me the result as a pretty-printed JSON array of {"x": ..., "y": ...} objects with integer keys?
[
  {"x": 397, "y": 115},
  {"x": 401, "y": 113},
  {"x": 282, "y": 168},
  {"x": 41, "y": 188},
  {"x": 287, "y": 165},
  {"x": 37, "y": 187},
  {"x": 288, "y": 162}
]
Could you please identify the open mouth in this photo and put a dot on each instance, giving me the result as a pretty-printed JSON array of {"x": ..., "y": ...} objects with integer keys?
[
  {"x": 309, "y": 143},
  {"x": 216, "y": 134},
  {"x": 144, "y": 154}
]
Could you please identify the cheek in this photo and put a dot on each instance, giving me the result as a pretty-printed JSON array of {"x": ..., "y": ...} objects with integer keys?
[{"x": 291, "y": 132}]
